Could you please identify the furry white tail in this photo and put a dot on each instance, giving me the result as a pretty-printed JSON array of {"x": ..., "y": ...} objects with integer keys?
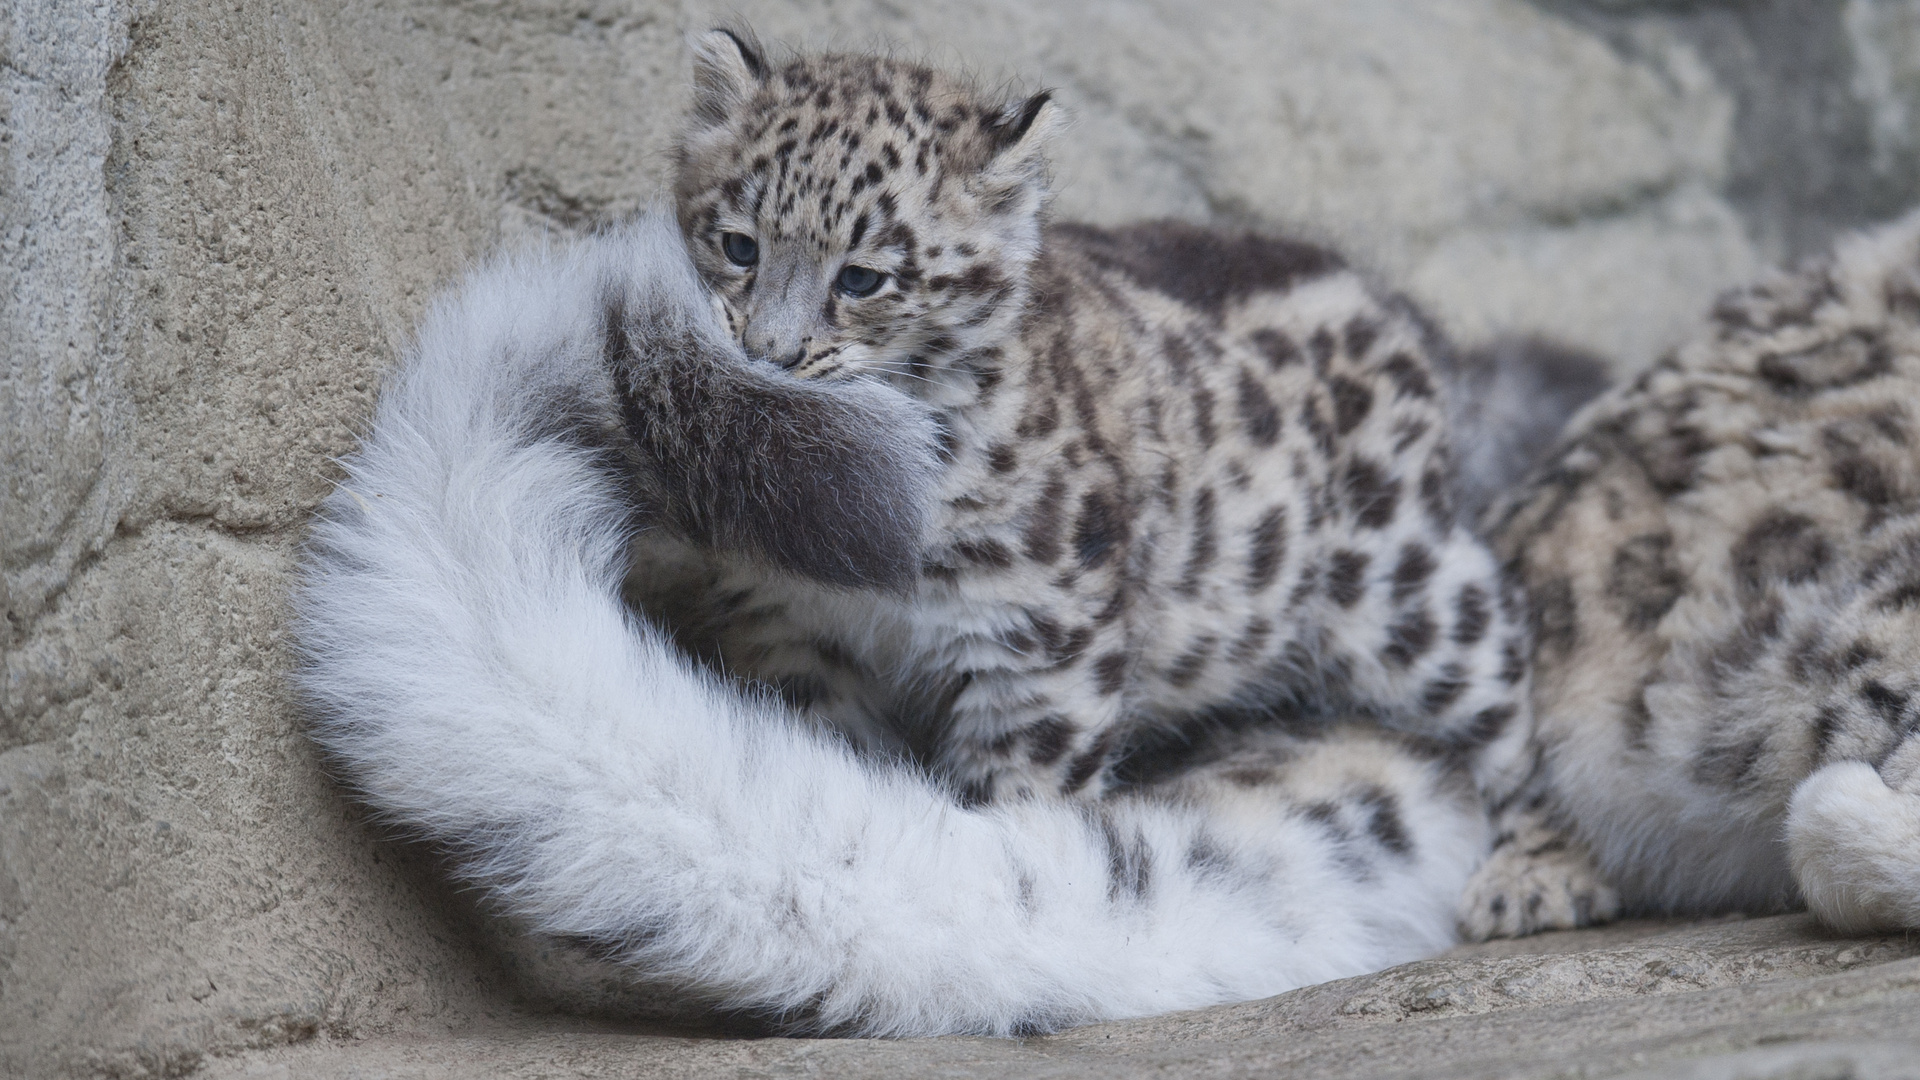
[{"x": 473, "y": 673}]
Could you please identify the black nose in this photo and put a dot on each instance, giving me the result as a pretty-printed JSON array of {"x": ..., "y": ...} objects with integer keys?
[{"x": 792, "y": 360}]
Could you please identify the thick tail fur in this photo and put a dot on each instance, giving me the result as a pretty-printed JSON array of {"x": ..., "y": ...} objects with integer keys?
[{"x": 473, "y": 674}]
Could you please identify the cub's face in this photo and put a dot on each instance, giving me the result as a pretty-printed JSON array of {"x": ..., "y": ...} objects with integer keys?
[{"x": 856, "y": 215}]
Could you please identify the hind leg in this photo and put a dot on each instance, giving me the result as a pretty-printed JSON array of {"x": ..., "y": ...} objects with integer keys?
[
  {"x": 1390, "y": 831},
  {"x": 1853, "y": 835},
  {"x": 1433, "y": 644}
]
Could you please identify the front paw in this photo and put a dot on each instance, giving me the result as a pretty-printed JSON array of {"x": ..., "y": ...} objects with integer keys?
[{"x": 1536, "y": 882}]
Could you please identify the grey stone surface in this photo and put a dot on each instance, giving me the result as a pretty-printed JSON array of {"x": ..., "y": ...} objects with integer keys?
[
  {"x": 1823, "y": 136},
  {"x": 218, "y": 222},
  {"x": 1768, "y": 998}
]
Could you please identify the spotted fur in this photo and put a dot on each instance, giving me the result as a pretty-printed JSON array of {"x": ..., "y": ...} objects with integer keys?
[
  {"x": 1181, "y": 469},
  {"x": 1724, "y": 565}
]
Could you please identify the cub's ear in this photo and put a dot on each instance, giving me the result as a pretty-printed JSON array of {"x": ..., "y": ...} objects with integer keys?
[
  {"x": 1023, "y": 126},
  {"x": 728, "y": 66},
  {"x": 1015, "y": 173}
]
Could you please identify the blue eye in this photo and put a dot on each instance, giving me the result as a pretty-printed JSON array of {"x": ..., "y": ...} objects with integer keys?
[
  {"x": 740, "y": 248},
  {"x": 860, "y": 281}
]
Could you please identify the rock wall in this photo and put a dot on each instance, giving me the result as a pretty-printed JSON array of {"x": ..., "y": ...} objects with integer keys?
[{"x": 218, "y": 222}]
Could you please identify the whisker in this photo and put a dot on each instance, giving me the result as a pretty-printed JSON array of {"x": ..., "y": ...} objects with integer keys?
[{"x": 890, "y": 368}]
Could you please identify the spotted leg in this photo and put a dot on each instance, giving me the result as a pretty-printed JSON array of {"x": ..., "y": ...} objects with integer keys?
[
  {"x": 1431, "y": 641},
  {"x": 1536, "y": 877}
]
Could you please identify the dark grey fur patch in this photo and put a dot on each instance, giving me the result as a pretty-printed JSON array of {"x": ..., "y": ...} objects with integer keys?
[
  {"x": 1488, "y": 723},
  {"x": 1090, "y": 762},
  {"x": 823, "y": 479},
  {"x": 986, "y": 552},
  {"x": 1904, "y": 595},
  {"x": 1371, "y": 493},
  {"x": 1101, "y": 528},
  {"x": 1360, "y": 334},
  {"x": 1345, "y": 572},
  {"x": 1063, "y": 647},
  {"x": 1809, "y": 659},
  {"x": 1041, "y": 538},
  {"x": 1511, "y": 401},
  {"x": 1671, "y": 458},
  {"x": 1024, "y": 891},
  {"x": 1327, "y": 815},
  {"x": 1889, "y": 704},
  {"x": 974, "y": 792},
  {"x": 1253, "y": 640},
  {"x": 1409, "y": 638},
  {"x": 1436, "y": 499},
  {"x": 1439, "y": 694},
  {"x": 1352, "y": 402},
  {"x": 1826, "y": 724},
  {"x": 1041, "y": 420},
  {"x": 1852, "y": 359},
  {"x": 1249, "y": 776},
  {"x": 1758, "y": 627},
  {"x": 1277, "y": 347},
  {"x": 1267, "y": 549},
  {"x": 1470, "y": 615},
  {"x": 1636, "y": 717},
  {"x": 1129, "y": 864},
  {"x": 1729, "y": 765},
  {"x": 1258, "y": 413},
  {"x": 1513, "y": 662},
  {"x": 802, "y": 691},
  {"x": 1781, "y": 546},
  {"x": 1321, "y": 347},
  {"x": 1865, "y": 479},
  {"x": 1111, "y": 672},
  {"x": 1048, "y": 740},
  {"x": 1201, "y": 267},
  {"x": 1206, "y": 542},
  {"x": 1410, "y": 574},
  {"x": 1555, "y": 620},
  {"x": 1410, "y": 378},
  {"x": 1317, "y": 425},
  {"x": 1643, "y": 583},
  {"x": 1188, "y": 665},
  {"x": 1384, "y": 822},
  {"x": 1206, "y": 860}
]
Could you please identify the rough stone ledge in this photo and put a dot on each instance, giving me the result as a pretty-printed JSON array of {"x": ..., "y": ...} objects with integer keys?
[{"x": 1758, "y": 998}]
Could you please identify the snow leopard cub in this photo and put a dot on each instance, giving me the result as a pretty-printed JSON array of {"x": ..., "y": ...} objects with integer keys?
[
  {"x": 1723, "y": 563},
  {"x": 1182, "y": 471}
]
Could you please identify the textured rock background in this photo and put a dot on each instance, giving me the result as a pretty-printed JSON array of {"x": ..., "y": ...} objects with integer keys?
[{"x": 219, "y": 220}]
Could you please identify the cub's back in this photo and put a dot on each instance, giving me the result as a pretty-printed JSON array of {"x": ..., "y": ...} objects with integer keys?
[{"x": 1227, "y": 438}]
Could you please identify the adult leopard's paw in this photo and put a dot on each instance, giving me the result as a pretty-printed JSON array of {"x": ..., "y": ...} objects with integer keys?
[{"x": 1855, "y": 847}]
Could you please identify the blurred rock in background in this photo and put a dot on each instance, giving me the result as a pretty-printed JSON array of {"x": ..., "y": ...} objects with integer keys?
[{"x": 218, "y": 222}]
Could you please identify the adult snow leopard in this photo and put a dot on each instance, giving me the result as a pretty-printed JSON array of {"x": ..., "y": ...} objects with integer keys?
[{"x": 1723, "y": 561}]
